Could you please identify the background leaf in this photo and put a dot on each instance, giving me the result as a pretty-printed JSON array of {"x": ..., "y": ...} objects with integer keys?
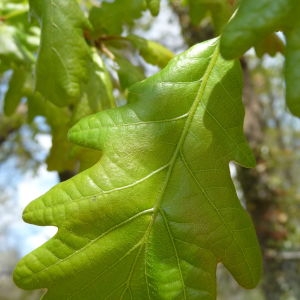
[
  {"x": 153, "y": 52},
  {"x": 98, "y": 91},
  {"x": 155, "y": 215},
  {"x": 219, "y": 11},
  {"x": 63, "y": 52},
  {"x": 15, "y": 90},
  {"x": 128, "y": 73},
  {"x": 18, "y": 39},
  {"x": 271, "y": 44},
  {"x": 265, "y": 17}
]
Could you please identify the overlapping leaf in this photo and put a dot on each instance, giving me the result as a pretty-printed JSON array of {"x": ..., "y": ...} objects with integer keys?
[
  {"x": 256, "y": 20},
  {"x": 153, "y": 52},
  {"x": 98, "y": 91},
  {"x": 18, "y": 39},
  {"x": 63, "y": 155},
  {"x": 219, "y": 10},
  {"x": 64, "y": 54},
  {"x": 11, "y": 50},
  {"x": 155, "y": 215},
  {"x": 15, "y": 90},
  {"x": 97, "y": 95},
  {"x": 153, "y": 6},
  {"x": 128, "y": 73},
  {"x": 110, "y": 17}
]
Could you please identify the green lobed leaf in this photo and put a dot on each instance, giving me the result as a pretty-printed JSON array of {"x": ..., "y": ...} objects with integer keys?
[
  {"x": 110, "y": 17},
  {"x": 253, "y": 21},
  {"x": 63, "y": 54},
  {"x": 256, "y": 20},
  {"x": 155, "y": 215},
  {"x": 96, "y": 95}
]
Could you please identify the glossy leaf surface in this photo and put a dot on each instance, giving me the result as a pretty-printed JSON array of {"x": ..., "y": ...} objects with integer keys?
[
  {"x": 155, "y": 215},
  {"x": 255, "y": 21}
]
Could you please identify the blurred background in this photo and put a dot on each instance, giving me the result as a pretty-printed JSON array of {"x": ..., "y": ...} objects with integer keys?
[{"x": 270, "y": 191}]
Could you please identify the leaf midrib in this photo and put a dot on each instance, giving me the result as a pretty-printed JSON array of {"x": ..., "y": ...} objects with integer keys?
[
  {"x": 157, "y": 207},
  {"x": 186, "y": 127}
]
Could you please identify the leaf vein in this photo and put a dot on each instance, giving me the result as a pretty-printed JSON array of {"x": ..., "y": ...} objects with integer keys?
[{"x": 175, "y": 251}]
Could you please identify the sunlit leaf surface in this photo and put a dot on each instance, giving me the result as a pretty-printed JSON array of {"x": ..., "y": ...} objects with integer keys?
[{"x": 155, "y": 215}]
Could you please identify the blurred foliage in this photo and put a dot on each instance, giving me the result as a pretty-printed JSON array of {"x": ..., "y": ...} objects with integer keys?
[
  {"x": 28, "y": 110},
  {"x": 258, "y": 27},
  {"x": 64, "y": 95}
]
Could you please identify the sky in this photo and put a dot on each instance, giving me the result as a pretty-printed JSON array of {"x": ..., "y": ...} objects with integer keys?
[
  {"x": 32, "y": 236},
  {"x": 20, "y": 235}
]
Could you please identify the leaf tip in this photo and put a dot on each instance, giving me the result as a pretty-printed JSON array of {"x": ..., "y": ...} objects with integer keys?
[
  {"x": 27, "y": 214},
  {"x": 21, "y": 276}
]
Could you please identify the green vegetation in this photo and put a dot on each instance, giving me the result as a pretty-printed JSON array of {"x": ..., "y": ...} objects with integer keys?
[{"x": 153, "y": 208}]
